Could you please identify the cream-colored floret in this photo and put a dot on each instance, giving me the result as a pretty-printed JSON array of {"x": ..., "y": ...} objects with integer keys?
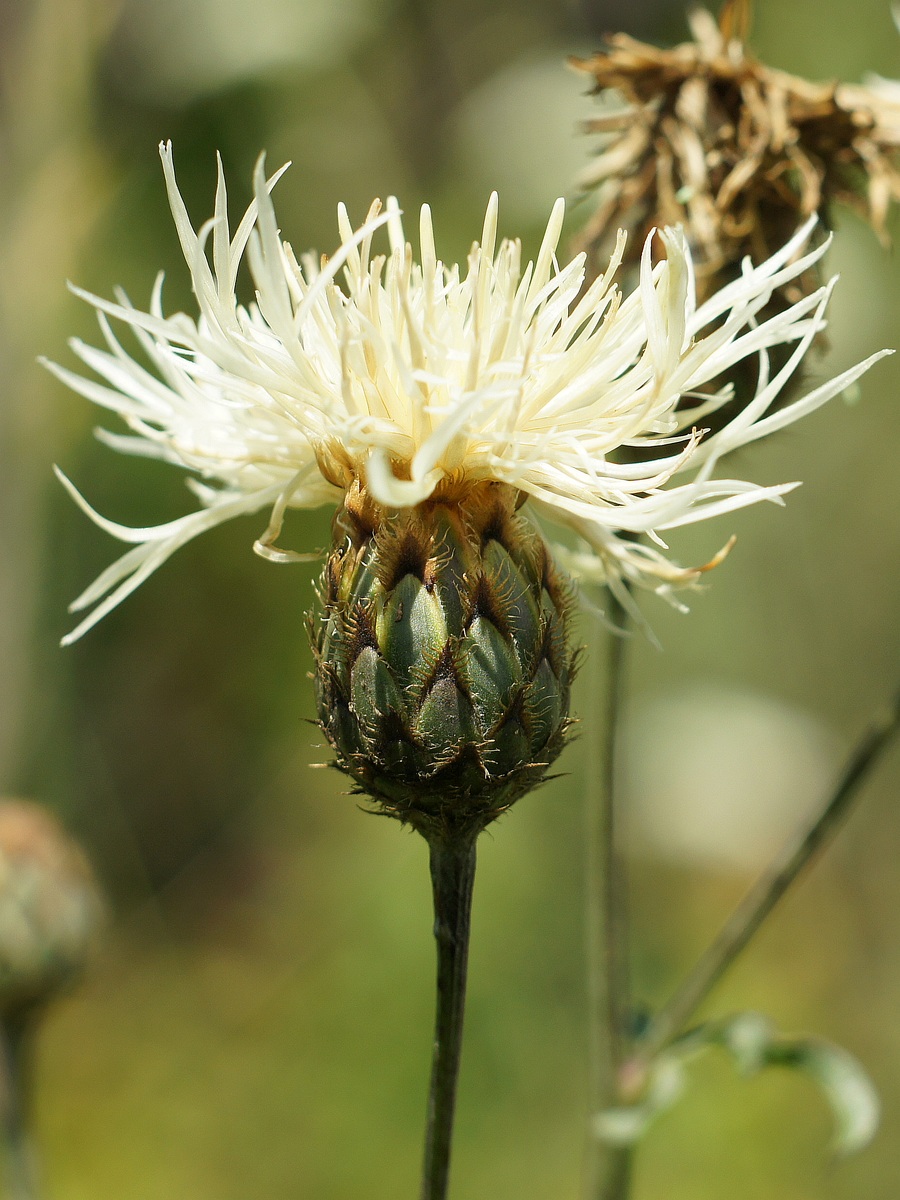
[{"x": 412, "y": 375}]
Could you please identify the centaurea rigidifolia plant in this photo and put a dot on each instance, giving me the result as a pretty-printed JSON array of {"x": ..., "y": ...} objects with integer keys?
[{"x": 450, "y": 415}]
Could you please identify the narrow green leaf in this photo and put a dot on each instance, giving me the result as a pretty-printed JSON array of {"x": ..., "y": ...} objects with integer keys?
[
  {"x": 753, "y": 1043},
  {"x": 845, "y": 1084}
]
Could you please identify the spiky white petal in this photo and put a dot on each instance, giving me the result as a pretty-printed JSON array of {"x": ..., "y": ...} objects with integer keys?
[{"x": 407, "y": 375}]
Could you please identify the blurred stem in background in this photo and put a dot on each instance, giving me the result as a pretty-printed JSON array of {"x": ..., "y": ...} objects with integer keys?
[
  {"x": 15, "y": 1059},
  {"x": 608, "y": 1168},
  {"x": 616, "y": 1061},
  {"x": 53, "y": 187},
  {"x": 752, "y": 912},
  {"x": 50, "y": 912},
  {"x": 424, "y": 88}
]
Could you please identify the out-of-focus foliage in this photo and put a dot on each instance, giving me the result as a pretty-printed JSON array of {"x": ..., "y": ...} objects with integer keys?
[{"x": 260, "y": 1021}]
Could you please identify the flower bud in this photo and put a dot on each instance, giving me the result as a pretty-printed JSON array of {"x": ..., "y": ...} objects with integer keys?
[
  {"x": 49, "y": 906},
  {"x": 444, "y": 663}
]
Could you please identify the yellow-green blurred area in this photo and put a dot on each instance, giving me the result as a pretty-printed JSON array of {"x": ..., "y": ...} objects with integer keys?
[{"x": 257, "y": 1022}]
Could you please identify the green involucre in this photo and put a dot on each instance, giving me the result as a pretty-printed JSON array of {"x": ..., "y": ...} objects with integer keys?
[{"x": 443, "y": 655}]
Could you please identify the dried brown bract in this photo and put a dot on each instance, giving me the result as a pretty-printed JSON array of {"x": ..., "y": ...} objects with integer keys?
[{"x": 705, "y": 136}]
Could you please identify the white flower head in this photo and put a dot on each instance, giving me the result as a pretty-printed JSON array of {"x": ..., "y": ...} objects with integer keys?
[{"x": 409, "y": 377}]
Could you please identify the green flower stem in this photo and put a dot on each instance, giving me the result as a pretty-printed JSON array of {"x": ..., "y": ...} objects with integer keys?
[
  {"x": 608, "y": 1168},
  {"x": 616, "y": 1171},
  {"x": 762, "y": 898},
  {"x": 15, "y": 1048},
  {"x": 452, "y": 879}
]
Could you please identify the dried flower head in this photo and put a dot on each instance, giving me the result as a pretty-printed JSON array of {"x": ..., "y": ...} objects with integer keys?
[
  {"x": 49, "y": 906},
  {"x": 705, "y": 136}
]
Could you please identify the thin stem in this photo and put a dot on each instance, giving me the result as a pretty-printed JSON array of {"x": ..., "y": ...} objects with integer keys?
[
  {"x": 762, "y": 898},
  {"x": 616, "y": 1173},
  {"x": 609, "y": 1169},
  {"x": 452, "y": 879},
  {"x": 14, "y": 1054}
]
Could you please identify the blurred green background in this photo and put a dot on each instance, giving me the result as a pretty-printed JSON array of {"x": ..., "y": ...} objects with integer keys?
[{"x": 258, "y": 1020}]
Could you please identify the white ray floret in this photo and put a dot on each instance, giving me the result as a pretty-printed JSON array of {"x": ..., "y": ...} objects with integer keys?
[{"x": 408, "y": 376}]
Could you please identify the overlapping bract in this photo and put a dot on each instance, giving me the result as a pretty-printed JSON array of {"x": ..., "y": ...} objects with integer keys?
[
  {"x": 443, "y": 655},
  {"x": 411, "y": 377}
]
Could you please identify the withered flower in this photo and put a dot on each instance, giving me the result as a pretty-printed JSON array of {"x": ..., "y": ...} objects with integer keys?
[{"x": 705, "y": 136}]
